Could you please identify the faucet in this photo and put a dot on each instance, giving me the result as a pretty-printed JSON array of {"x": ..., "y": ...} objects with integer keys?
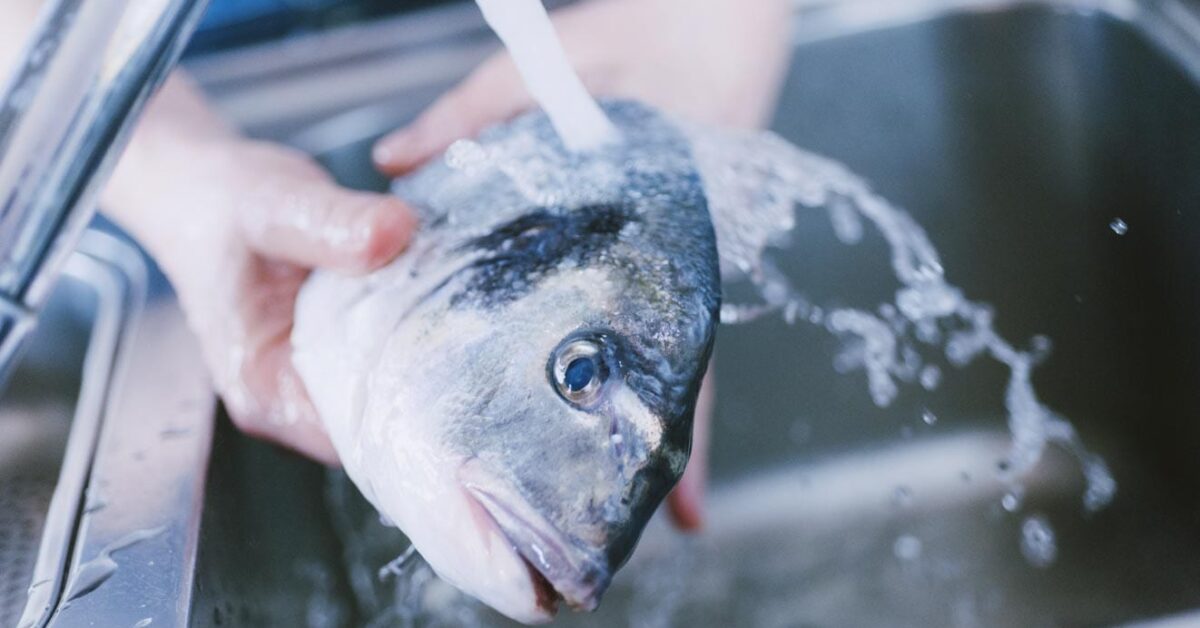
[{"x": 65, "y": 115}]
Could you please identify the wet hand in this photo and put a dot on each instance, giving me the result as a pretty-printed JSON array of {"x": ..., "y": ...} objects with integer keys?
[
  {"x": 237, "y": 225},
  {"x": 717, "y": 62}
]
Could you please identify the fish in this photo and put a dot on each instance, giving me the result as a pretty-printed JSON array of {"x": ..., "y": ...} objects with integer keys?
[{"x": 516, "y": 391}]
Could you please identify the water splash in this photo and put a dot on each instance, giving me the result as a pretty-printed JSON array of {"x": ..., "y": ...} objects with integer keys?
[
  {"x": 400, "y": 566},
  {"x": 755, "y": 183},
  {"x": 1038, "y": 544},
  {"x": 1011, "y": 501},
  {"x": 418, "y": 597},
  {"x": 907, "y": 548},
  {"x": 931, "y": 376}
]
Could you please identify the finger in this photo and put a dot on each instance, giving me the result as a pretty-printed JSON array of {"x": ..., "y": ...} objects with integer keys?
[
  {"x": 492, "y": 93},
  {"x": 686, "y": 501},
  {"x": 263, "y": 393},
  {"x": 284, "y": 414},
  {"x": 294, "y": 213}
]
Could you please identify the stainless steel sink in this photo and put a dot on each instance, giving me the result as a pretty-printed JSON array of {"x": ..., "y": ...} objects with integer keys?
[
  {"x": 105, "y": 428},
  {"x": 35, "y": 420},
  {"x": 1016, "y": 132}
]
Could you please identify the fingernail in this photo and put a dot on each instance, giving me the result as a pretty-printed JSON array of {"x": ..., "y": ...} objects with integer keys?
[
  {"x": 383, "y": 154},
  {"x": 391, "y": 150},
  {"x": 392, "y": 228}
]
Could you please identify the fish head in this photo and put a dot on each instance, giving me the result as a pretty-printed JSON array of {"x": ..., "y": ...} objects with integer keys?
[
  {"x": 532, "y": 404},
  {"x": 588, "y": 424}
]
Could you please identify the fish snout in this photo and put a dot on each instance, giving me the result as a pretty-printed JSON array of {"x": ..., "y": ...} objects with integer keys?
[{"x": 560, "y": 567}]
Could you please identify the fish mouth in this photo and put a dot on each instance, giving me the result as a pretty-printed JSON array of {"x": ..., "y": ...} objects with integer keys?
[{"x": 558, "y": 568}]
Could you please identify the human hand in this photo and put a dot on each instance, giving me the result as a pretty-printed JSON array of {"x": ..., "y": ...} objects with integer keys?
[
  {"x": 718, "y": 62},
  {"x": 236, "y": 225},
  {"x": 714, "y": 62}
]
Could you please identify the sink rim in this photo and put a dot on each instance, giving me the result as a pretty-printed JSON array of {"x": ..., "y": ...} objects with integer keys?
[
  {"x": 140, "y": 343},
  {"x": 1172, "y": 25},
  {"x": 110, "y": 283}
]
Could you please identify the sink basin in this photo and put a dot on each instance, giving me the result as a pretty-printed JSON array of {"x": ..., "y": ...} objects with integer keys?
[{"x": 1016, "y": 133}]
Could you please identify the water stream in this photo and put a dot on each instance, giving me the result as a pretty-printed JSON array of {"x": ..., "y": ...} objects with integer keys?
[{"x": 529, "y": 36}]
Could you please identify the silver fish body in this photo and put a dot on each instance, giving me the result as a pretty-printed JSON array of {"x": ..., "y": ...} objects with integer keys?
[{"x": 516, "y": 391}]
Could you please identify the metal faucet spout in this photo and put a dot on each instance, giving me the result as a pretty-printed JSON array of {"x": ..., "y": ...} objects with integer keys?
[{"x": 65, "y": 115}]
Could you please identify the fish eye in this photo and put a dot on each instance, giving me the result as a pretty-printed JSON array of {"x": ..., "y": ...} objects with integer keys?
[
  {"x": 578, "y": 370},
  {"x": 580, "y": 373}
]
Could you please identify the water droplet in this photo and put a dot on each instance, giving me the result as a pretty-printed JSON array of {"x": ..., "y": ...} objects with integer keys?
[
  {"x": 931, "y": 376},
  {"x": 397, "y": 566},
  {"x": 1118, "y": 226},
  {"x": 466, "y": 155},
  {"x": 1101, "y": 487},
  {"x": 174, "y": 432},
  {"x": 907, "y": 547},
  {"x": 1011, "y": 501},
  {"x": 730, "y": 314},
  {"x": 791, "y": 312},
  {"x": 929, "y": 418},
  {"x": 90, "y": 575},
  {"x": 1037, "y": 542},
  {"x": 94, "y": 501}
]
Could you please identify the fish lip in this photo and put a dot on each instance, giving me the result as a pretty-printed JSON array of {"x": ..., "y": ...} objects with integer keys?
[{"x": 575, "y": 575}]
